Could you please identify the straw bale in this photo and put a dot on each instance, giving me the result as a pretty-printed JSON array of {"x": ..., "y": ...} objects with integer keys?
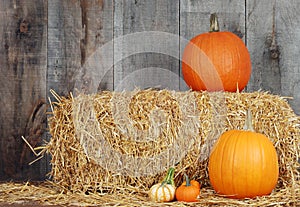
[{"x": 123, "y": 142}]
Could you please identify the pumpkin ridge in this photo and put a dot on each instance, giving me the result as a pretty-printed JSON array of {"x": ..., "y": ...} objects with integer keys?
[
  {"x": 156, "y": 193},
  {"x": 224, "y": 148},
  {"x": 249, "y": 184},
  {"x": 238, "y": 71},
  {"x": 262, "y": 161},
  {"x": 233, "y": 162},
  {"x": 221, "y": 166},
  {"x": 163, "y": 192},
  {"x": 167, "y": 194},
  {"x": 274, "y": 159}
]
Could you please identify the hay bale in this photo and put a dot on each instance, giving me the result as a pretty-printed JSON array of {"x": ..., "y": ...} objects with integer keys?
[{"x": 124, "y": 142}]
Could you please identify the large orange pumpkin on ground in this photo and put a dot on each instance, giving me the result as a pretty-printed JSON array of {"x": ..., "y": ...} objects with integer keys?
[
  {"x": 243, "y": 164},
  {"x": 216, "y": 61}
]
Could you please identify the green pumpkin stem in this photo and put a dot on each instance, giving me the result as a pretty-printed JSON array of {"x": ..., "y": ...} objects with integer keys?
[
  {"x": 248, "y": 123},
  {"x": 214, "y": 24},
  {"x": 169, "y": 179},
  {"x": 187, "y": 180}
]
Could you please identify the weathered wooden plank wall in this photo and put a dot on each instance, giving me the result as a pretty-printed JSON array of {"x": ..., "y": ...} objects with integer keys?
[
  {"x": 23, "y": 66},
  {"x": 63, "y": 44},
  {"x": 273, "y": 39}
]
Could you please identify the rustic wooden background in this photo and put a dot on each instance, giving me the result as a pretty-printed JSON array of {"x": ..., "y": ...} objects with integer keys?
[{"x": 44, "y": 44}]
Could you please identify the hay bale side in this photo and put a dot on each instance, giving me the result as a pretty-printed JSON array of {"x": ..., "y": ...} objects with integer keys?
[{"x": 77, "y": 164}]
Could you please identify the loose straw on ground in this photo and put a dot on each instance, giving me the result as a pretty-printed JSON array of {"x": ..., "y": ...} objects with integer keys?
[{"x": 48, "y": 193}]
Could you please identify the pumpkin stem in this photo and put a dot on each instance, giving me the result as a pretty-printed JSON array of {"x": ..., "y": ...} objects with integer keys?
[
  {"x": 187, "y": 180},
  {"x": 169, "y": 179},
  {"x": 248, "y": 123},
  {"x": 214, "y": 24}
]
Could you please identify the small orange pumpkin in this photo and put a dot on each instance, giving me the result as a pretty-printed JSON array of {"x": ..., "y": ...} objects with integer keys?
[
  {"x": 216, "y": 61},
  {"x": 188, "y": 191},
  {"x": 243, "y": 163}
]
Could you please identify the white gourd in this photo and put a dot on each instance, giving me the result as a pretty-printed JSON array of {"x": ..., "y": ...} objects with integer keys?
[
  {"x": 165, "y": 190},
  {"x": 162, "y": 192}
]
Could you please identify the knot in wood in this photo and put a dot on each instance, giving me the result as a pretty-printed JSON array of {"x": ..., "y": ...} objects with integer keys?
[
  {"x": 24, "y": 26},
  {"x": 274, "y": 51}
]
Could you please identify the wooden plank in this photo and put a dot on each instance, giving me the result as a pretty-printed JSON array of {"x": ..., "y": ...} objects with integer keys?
[
  {"x": 146, "y": 61},
  {"x": 288, "y": 37},
  {"x": 273, "y": 35},
  {"x": 22, "y": 87},
  {"x": 64, "y": 35},
  {"x": 97, "y": 42},
  {"x": 260, "y": 36},
  {"x": 76, "y": 30},
  {"x": 194, "y": 19}
]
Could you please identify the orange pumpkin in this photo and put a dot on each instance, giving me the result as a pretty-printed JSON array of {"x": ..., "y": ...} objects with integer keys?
[
  {"x": 243, "y": 164},
  {"x": 188, "y": 191},
  {"x": 216, "y": 61}
]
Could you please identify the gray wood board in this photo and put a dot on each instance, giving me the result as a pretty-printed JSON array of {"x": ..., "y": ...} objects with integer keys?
[
  {"x": 76, "y": 30},
  {"x": 151, "y": 59},
  {"x": 23, "y": 75},
  {"x": 273, "y": 38}
]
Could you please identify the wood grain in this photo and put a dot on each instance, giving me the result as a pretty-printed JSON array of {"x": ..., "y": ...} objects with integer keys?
[
  {"x": 23, "y": 70},
  {"x": 146, "y": 69},
  {"x": 272, "y": 35},
  {"x": 261, "y": 35},
  {"x": 64, "y": 36},
  {"x": 288, "y": 37},
  {"x": 76, "y": 30},
  {"x": 97, "y": 24}
]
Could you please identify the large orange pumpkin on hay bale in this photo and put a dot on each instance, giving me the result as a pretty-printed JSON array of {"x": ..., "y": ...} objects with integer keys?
[
  {"x": 243, "y": 164},
  {"x": 216, "y": 61}
]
